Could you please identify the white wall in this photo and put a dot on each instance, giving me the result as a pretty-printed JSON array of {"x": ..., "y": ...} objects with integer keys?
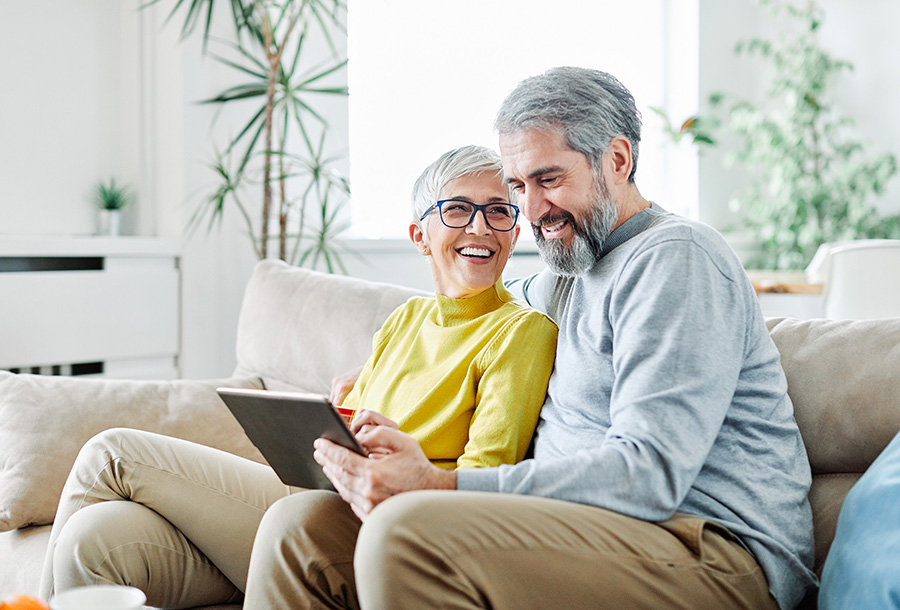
[
  {"x": 65, "y": 124},
  {"x": 98, "y": 88}
]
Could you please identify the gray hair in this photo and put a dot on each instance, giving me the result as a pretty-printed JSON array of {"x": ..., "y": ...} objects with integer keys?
[
  {"x": 450, "y": 166},
  {"x": 588, "y": 107}
]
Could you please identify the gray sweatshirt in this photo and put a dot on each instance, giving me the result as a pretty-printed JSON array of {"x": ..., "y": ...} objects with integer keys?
[{"x": 668, "y": 395}]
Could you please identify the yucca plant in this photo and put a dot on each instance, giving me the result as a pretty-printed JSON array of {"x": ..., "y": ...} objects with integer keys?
[{"x": 278, "y": 150}]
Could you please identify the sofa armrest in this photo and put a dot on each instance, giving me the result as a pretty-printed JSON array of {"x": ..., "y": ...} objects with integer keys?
[{"x": 44, "y": 421}]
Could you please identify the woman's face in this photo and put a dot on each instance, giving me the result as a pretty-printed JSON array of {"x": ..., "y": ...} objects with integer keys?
[{"x": 466, "y": 261}]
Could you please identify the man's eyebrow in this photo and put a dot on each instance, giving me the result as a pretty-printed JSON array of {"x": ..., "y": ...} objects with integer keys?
[{"x": 536, "y": 173}]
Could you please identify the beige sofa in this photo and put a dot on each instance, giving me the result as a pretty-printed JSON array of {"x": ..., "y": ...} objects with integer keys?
[{"x": 298, "y": 328}]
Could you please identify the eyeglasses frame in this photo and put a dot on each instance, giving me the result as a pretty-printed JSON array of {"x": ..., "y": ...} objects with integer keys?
[{"x": 476, "y": 207}]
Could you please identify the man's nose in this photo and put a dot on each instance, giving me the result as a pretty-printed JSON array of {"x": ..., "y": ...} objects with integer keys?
[{"x": 532, "y": 204}]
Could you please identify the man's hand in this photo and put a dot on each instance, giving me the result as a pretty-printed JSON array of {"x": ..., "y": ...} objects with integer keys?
[
  {"x": 342, "y": 384},
  {"x": 397, "y": 464},
  {"x": 366, "y": 421}
]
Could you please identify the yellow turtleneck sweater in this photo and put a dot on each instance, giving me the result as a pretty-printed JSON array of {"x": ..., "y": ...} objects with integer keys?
[{"x": 465, "y": 377}]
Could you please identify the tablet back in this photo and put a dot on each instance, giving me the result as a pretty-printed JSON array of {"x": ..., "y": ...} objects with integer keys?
[{"x": 283, "y": 426}]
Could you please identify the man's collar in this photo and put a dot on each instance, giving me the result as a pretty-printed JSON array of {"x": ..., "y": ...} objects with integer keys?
[{"x": 633, "y": 226}]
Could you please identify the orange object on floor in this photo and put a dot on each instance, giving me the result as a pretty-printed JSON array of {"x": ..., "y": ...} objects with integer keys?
[{"x": 24, "y": 602}]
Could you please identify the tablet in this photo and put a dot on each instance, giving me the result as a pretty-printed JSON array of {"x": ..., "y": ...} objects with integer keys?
[{"x": 283, "y": 426}]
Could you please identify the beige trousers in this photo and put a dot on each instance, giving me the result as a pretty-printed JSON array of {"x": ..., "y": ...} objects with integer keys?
[
  {"x": 455, "y": 550},
  {"x": 173, "y": 518},
  {"x": 193, "y": 515},
  {"x": 466, "y": 550}
]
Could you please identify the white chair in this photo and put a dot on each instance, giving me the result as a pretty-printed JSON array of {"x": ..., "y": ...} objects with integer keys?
[{"x": 863, "y": 280}]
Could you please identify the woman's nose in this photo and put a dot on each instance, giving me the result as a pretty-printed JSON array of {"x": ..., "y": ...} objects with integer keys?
[{"x": 479, "y": 225}]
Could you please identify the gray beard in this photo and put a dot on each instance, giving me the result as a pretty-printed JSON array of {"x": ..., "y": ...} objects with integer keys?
[{"x": 590, "y": 235}]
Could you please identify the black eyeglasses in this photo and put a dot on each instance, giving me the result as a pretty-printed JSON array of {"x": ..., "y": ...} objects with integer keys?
[{"x": 459, "y": 213}]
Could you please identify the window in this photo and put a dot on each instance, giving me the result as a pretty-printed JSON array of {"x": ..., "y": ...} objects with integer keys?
[{"x": 428, "y": 76}]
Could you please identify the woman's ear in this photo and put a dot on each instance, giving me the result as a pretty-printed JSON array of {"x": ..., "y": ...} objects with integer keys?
[{"x": 417, "y": 236}]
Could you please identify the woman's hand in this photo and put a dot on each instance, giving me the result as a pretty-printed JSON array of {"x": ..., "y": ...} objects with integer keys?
[
  {"x": 364, "y": 483},
  {"x": 342, "y": 384}
]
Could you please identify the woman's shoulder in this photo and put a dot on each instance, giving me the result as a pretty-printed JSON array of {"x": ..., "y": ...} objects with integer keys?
[
  {"x": 519, "y": 318},
  {"x": 415, "y": 308}
]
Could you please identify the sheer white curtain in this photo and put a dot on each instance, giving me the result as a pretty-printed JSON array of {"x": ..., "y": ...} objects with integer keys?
[{"x": 428, "y": 75}]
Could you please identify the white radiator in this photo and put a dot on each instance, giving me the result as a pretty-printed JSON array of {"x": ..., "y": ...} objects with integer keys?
[{"x": 91, "y": 306}]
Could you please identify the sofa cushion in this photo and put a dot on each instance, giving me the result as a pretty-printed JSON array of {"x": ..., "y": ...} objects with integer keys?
[
  {"x": 280, "y": 334},
  {"x": 843, "y": 380},
  {"x": 44, "y": 421}
]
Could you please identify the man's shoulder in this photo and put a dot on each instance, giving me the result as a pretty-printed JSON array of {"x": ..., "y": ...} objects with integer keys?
[
  {"x": 670, "y": 237},
  {"x": 671, "y": 227}
]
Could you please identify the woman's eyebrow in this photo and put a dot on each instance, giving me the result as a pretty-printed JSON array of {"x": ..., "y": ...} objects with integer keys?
[{"x": 470, "y": 200}]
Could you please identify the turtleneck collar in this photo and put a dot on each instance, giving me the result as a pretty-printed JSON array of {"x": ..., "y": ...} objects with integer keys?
[{"x": 453, "y": 312}]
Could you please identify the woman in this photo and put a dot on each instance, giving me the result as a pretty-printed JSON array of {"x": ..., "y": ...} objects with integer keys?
[{"x": 464, "y": 373}]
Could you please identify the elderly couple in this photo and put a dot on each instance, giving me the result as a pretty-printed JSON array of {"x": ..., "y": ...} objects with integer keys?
[{"x": 667, "y": 468}]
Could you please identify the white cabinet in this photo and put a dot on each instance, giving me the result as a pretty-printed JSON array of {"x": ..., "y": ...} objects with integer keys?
[{"x": 97, "y": 306}]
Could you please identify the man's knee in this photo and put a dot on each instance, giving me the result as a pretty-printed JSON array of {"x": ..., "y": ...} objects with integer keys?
[
  {"x": 393, "y": 528},
  {"x": 312, "y": 521}
]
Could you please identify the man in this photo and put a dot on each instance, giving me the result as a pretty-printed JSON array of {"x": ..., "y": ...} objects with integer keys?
[{"x": 668, "y": 470}]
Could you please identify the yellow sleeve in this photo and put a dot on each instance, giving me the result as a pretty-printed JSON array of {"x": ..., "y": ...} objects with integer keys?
[{"x": 511, "y": 392}]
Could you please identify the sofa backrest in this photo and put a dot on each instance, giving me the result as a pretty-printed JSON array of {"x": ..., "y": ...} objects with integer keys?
[
  {"x": 844, "y": 380},
  {"x": 280, "y": 336}
]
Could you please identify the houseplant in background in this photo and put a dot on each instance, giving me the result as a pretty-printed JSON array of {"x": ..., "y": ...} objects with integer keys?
[
  {"x": 110, "y": 199},
  {"x": 275, "y": 171},
  {"x": 811, "y": 181}
]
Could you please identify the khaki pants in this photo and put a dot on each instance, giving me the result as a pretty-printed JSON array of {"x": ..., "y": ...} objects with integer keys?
[
  {"x": 454, "y": 550},
  {"x": 185, "y": 538},
  {"x": 173, "y": 518}
]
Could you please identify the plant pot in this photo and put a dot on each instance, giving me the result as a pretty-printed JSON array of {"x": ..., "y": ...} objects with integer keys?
[{"x": 108, "y": 222}]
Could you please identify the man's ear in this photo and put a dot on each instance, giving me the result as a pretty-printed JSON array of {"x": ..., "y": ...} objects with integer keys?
[
  {"x": 618, "y": 156},
  {"x": 417, "y": 236}
]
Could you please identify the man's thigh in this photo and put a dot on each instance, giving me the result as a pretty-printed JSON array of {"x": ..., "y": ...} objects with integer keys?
[{"x": 478, "y": 550}]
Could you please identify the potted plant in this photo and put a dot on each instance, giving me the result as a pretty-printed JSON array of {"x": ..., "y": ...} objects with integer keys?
[
  {"x": 279, "y": 152},
  {"x": 110, "y": 198}
]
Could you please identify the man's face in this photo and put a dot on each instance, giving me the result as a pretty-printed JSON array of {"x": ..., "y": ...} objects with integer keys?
[{"x": 567, "y": 203}]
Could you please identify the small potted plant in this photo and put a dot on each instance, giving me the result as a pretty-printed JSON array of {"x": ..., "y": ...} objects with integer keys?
[{"x": 110, "y": 199}]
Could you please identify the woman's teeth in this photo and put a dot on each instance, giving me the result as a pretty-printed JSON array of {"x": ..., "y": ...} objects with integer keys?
[{"x": 479, "y": 252}]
